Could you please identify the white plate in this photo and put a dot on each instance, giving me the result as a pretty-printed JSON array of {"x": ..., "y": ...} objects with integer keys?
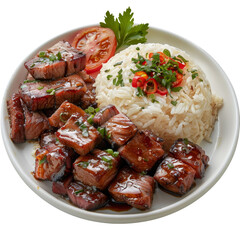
[{"x": 221, "y": 150}]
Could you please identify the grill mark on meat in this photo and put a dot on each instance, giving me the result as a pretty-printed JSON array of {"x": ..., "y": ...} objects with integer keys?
[{"x": 48, "y": 94}]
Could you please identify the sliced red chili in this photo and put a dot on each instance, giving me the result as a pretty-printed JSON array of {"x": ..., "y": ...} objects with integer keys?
[
  {"x": 142, "y": 74},
  {"x": 179, "y": 79},
  {"x": 150, "y": 86},
  {"x": 138, "y": 81},
  {"x": 162, "y": 91}
]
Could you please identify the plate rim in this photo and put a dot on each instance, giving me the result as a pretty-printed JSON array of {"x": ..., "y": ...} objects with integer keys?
[{"x": 118, "y": 218}]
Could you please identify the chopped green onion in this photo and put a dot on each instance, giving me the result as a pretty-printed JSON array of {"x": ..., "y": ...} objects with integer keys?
[
  {"x": 59, "y": 56},
  {"x": 167, "y": 52},
  {"x": 40, "y": 87},
  {"x": 174, "y": 103},
  {"x": 78, "y": 191},
  {"x": 43, "y": 160},
  {"x": 137, "y": 48},
  {"x": 182, "y": 58},
  {"x": 108, "y": 77},
  {"x": 117, "y": 63},
  {"x": 170, "y": 165},
  {"x": 90, "y": 119},
  {"x": 52, "y": 58},
  {"x": 42, "y": 54},
  {"x": 176, "y": 89},
  {"x": 107, "y": 70},
  {"x": 83, "y": 164}
]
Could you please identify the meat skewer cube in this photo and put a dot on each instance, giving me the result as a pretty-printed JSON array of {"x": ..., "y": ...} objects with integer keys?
[
  {"x": 133, "y": 188},
  {"x": 104, "y": 115},
  {"x": 86, "y": 197},
  {"x": 60, "y": 187},
  {"x": 97, "y": 169},
  {"x": 191, "y": 154},
  {"x": 53, "y": 160},
  {"x": 174, "y": 175},
  {"x": 16, "y": 117},
  {"x": 58, "y": 61},
  {"x": 119, "y": 129},
  {"x": 141, "y": 152},
  {"x": 63, "y": 113},
  {"x": 78, "y": 134}
]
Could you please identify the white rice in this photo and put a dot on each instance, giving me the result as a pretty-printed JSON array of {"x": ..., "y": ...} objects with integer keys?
[{"x": 194, "y": 115}]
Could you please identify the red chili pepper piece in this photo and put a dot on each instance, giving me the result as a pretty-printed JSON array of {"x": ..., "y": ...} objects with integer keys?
[
  {"x": 138, "y": 81},
  {"x": 162, "y": 91},
  {"x": 179, "y": 79},
  {"x": 150, "y": 86}
]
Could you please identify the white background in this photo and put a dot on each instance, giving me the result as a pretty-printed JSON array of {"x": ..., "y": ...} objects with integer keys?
[{"x": 212, "y": 25}]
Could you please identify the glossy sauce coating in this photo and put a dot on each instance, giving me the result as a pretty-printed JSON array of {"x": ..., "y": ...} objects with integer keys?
[
  {"x": 191, "y": 154},
  {"x": 174, "y": 175}
]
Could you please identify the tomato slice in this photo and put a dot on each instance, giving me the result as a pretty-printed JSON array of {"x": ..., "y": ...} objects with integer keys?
[{"x": 99, "y": 44}]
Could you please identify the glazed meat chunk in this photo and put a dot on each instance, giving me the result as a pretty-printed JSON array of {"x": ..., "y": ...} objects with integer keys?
[
  {"x": 96, "y": 169},
  {"x": 60, "y": 187},
  {"x": 141, "y": 152},
  {"x": 104, "y": 115},
  {"x": 174, "y": 175},
  {"x": 78, "y": 134},
  {"x": 119, "y": 129},
  {"x": 58, "y": 61},
  {"x": 16, "y": 117},
  {"x": 35, "y": 123},
  {"x": 63, "y": 113},
  {"x": 86, "y": 197},
  {"x": 132, "y": 188},
  {"x": 53, "y": 160},
  {"x": 39, "y": 95},
  {"x": 191, "y": 154}
]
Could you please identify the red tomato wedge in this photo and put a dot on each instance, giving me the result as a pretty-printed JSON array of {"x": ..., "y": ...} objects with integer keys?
[{"x": 99, "y": 44}]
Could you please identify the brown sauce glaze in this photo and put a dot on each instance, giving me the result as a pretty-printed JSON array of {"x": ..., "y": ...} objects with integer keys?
[{"x": 116, "y": 206}]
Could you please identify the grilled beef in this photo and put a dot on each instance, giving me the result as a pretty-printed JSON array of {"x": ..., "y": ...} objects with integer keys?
[
  {"x": 89, "y": 98},
  {"x": 48, "y": 94},
  {"x": 96, "y": 169},
  {"x": 119, "y": 129},
  {"x": 133, "y": 188},
  {"x": 78, "y": 134},
  {"x": 104, "y": 115},
  {"x": 174, "y": 175},
  {"x": 63, "y": 113},
  {"x": 35, "y": 123},
  {"x": 191, "y": 154},
  {"x": 16, "y": 117},
  {"x": 53, "y": 160},
  {"x": 59, "y": 61},
  {"x": 86, "y": 197},
  {"x": 60, "y": 187},
  {"x": 141, "y": 152}
]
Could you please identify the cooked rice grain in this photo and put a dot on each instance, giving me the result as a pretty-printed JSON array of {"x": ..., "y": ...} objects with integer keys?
[{"x": 194, "y": 115}]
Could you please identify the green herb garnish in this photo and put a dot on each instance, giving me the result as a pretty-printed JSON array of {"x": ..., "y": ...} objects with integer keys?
[
  {"x": 174, "y": 103},
  {"x": 170, "y": 165},
  {"x": 139, "y": 92},
  {"x": 90, "y": 119},
  {"x": 42, "y": 54},
  {"x": 52, "y": 57},
  {"x": 59, "y": 56},
  {"x": 61, "y": 116},
  {"x": 29, "y": 81},
  {"x": 167, "y": 52},
  {"x": 182, "y": 58},
  {"x": 108, "y": 77},
  {"x": 78, "y": 191},
  {"x": 83, "y": 164},
  {"x": 125, "y": 31},
  {"x": 43, "y": 160},
  {"x": 118, "y": 81},
  {"x": 40, "y": 87},
  {"x": 137, "y": 48},
  {"x": 111, "y": 152},
  {"x": 117, "y": 63}
]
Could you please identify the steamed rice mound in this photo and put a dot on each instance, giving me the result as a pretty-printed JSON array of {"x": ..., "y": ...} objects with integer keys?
[{"x": 194, "y": 115}]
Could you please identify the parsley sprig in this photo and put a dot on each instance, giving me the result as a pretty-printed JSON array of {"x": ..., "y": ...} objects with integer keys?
[{"x": 124, "y": 29}]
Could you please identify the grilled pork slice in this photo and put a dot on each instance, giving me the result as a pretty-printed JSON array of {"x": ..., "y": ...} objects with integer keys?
[
  {"x": 60, "y": 187},
  {"x": 119, "y": 129},
  {"x": 63, "y": 113},
  {"x": 39, "y": 95},
  {"x": 89, "y": 98},
  {"x": 96, "y": 169},
  {"x": 35, "y": 123},
  {"x": 191, "y": 154},
  {"x": 104, "y": 115},
  {"x": 174, "y": 175},
  {"x": 58, "y": 61},
  {"x": 53, "y": 160},
  {"x": 133, "y": 188},
  {"x": 78, "y": 134},
  {"x": 86, "y": 197},
  {"x": 16, "y": 117},
  {"x": 141, "y": 152}
]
